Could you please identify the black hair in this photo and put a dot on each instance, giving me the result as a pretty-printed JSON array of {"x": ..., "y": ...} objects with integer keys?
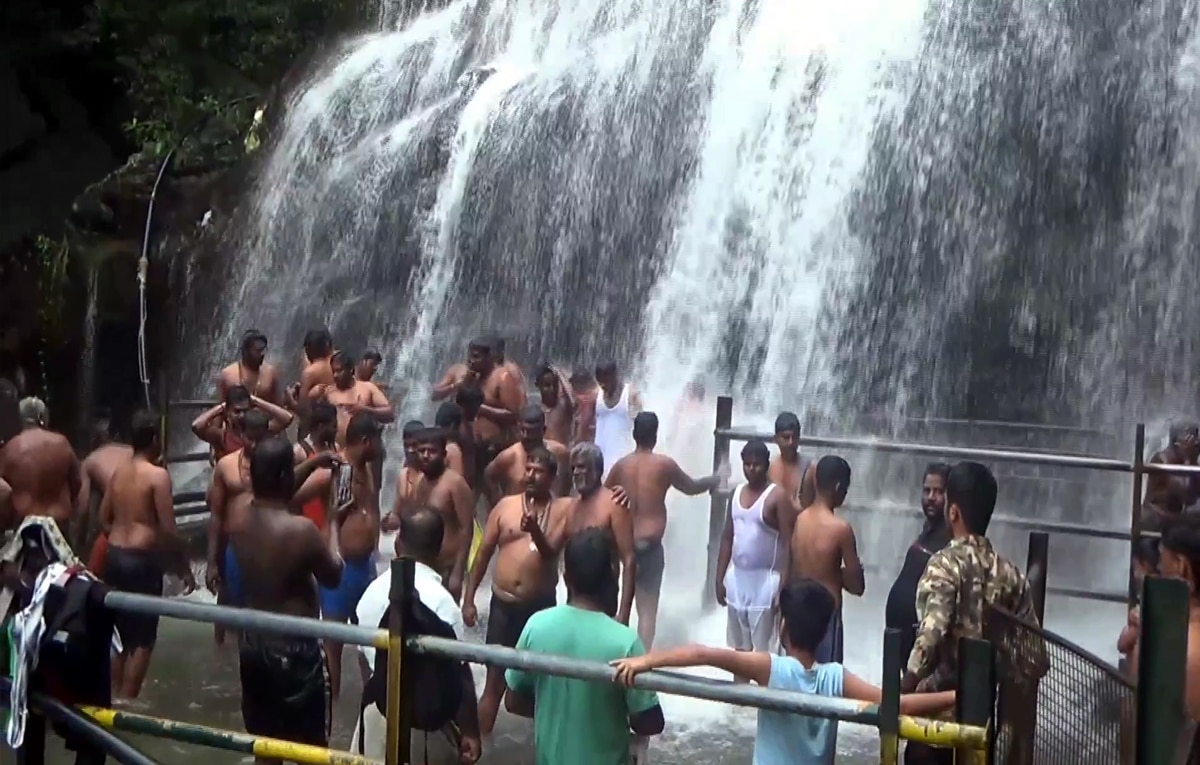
[
  {"x": 363, "y": 426},
  {"x": 756, "y": 449},
  {"x": 317, "y": 343},
  {"x": 253, "y": 336},
  {"x": 606, "y": 368},
  {"x": 939, "y": 469},
  {"x": 431, "y": 436},
  {"x": 448, "y": 417},
  {"x": 422, "y": 530},
  {"x": 972, "y": 487},
  {"x": 144, "y": 430},
  {"x": 1145, "y": 551},
  {"x": 532, "y": 413},
  {"x": 372, "y": 355},
  {"x": 411, "y": 430},
  {"x": 645, "y": 429},
  {"x": 469, "y": 398},
  {"x": 272, "y": 469},
  {"x": 1182, "y": 537},
  {"x": 787, "y": 421},
  {"x": 832, "y": 472},
  {"x": 237, "y": 394},
  {"x": 483, "y": 343},
  {"x": 807, "y": 607},
  {"x": 588, "y": 565},
  {"x": 543, "y": 370},
  {"x": 10, "y": 410},
  {"x": 256, "y": 419},
  {"x": 580, "y": 378},
  {"x": 322, "y": 413},
  {"x": 345, "y": 358},
  {"x": 543, "y": 457}
]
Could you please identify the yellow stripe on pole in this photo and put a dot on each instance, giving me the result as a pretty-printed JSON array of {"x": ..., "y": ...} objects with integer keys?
[
  {"x": 942, "y": 733},
  {"x": 288, "y": 751}
]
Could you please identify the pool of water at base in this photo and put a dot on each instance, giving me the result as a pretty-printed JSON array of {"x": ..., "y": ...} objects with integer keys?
[{"x": 194, "y": 681}]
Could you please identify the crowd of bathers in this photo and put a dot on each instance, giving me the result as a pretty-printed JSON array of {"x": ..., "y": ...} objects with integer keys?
[{"x": 523, "y": 487}]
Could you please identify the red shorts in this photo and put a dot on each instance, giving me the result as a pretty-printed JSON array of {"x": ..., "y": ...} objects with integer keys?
[
  {"x": 314, "y": 510},
  {"x": 99, "y": 554}
]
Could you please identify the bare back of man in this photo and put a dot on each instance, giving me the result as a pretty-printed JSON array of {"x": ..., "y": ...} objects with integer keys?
[
  {"x": 823, "y": 547},
  {"x": 646, "y": 478},
  {"x": 229, "y": 498},
  {"x": 96, "y": 471},
  {"x": 41, "y": 468},
  {"x": 139, "y": 509},
  {"x": 600, "y": 510}
]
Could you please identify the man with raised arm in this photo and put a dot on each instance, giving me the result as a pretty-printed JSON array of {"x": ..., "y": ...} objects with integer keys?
[
  {"x": 558, "y": 404},
  {"x": 251, "y": 370},
  {"x": 283, "y": 558},
  {"x": 825, "y": 550},
  {"x": 139, "y": 511},
  {"x": 222, "y": 426},
  {"x": 529, "y": 530},
  {"x": 647, "y": 476},
  {"x": 318, "y": 348}
]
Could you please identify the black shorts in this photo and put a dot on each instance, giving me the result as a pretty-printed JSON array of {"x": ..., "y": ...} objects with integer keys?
[
  {"x": 648, "y": 554},
  {"x": 507, "y": 618},
  {"x": 285, "y": 688},
  {"x": 139, "y": 571},
  {"x": 485, "y": 453}
]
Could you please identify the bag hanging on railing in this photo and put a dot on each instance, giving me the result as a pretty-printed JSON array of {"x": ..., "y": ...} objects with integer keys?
[{"x": 438, "y": 678}]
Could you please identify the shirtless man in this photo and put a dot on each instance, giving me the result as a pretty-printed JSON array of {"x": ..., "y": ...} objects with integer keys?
[
  {"x": 558, "y": 403},
  {"x": 41, "y": 470},
  {"x": 1169, "y": 495},
  {"x": 318, "y": 348},
  {"x": 456, "y": 376},
  {"x": 139, "y": 512},
  {"x": 322, "y": 439},
  {"x": 529, "y": 529},
  {"x": 791, "y": 472},
  {"x": 503, "y": 398},
  {"x": 506, "y": 475},
  {"x": 285, "y": 685},
  {"x": 222, "y": 427},
  {"x": 583, "y": 385},
  {"x": 595, "y": 507},
  {"x": 448, "y": 493},
  {"x": 95, "y": 473},
  {"x": 647, "y": 477},
  {"x": 351, "y": 396},
  {"x": 410, "y": 480},
  {"x": 503, "y": 361},
  {"x": 34, "y": 413},
  {"x": 228, "y": 498},
  {"x": 824, "y": 549},
  {"x": 449, "y": 418},
  {"x": 755, "y": 540},
  {"x": 355, "y": 526},
  {"x": 251, "y": 371},
  {"x": 368, "y": 365}
]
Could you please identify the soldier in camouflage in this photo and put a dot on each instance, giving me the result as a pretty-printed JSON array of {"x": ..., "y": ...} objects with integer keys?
[{"x": 958, "y": 585}]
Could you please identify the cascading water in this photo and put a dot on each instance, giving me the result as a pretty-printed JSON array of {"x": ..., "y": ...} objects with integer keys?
[{"x": 944, "y": 207}]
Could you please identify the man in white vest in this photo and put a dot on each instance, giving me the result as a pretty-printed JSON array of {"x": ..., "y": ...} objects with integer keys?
[{"x": 617, "y": 403}]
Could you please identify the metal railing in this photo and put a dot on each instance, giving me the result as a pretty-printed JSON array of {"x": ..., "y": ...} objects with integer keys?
[
  {"x": 725, "y": 434},
  {"x": 972, "y": 735}
]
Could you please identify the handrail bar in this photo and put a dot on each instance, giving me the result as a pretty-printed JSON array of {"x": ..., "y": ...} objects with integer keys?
[
  {"x": 997, "y": 455},
  {"x": 181, "y": 459},
  {"x": 80, "y": 725},
  {"x": 247, "y": 619},
  {"x": 741, "y": 694},
  {"x": 1025, "y": 524}
]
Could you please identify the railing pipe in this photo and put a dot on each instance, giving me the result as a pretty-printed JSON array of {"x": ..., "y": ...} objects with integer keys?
[
  {"x": 78, "y": 724},
  {"x": 933, "y": 450},
  {"x": 1081, "y": 594},
  {"x": 1037, "y": 563},
  {"x": 247, "y": 619},
  {"x": 1135, "y": 514},
  {"x": 1024, "y": 524},
  {"x": 218, "y": 738},
  {"x": 717, "y": 501},
  {"x": 971, "y": 736},
  {"x": 182, "y": 459}
]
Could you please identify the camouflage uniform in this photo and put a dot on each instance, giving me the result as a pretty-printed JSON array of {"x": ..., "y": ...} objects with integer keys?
[{"x": 958, "y": 585}]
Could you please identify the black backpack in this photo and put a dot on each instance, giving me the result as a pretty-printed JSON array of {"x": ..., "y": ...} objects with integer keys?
[{"x": 438, "y": 678}]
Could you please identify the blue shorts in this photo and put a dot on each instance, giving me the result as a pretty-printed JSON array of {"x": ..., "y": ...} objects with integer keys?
[
  {"x": 339, "y": 603},
  {"x": 231, "y": 579}
]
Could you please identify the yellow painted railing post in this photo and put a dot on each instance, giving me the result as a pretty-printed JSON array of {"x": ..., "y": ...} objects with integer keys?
[
  {"x": 399, "y": 732},
  {"x": 976, "y": 700},
  {"x": 889, "y": 707}
]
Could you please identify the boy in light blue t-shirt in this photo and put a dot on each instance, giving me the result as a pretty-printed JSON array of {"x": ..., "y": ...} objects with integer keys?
[{"x": 783, "y": 738}]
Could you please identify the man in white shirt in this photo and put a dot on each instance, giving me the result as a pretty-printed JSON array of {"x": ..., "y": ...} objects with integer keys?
[{"x": 420, "y": 538}]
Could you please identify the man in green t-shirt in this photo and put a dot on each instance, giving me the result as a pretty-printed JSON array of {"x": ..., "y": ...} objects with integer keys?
[{"x": 578, "y": 722}]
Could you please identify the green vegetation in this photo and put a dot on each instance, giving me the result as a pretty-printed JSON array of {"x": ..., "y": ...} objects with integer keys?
[{"x": 184, "y": 61}]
